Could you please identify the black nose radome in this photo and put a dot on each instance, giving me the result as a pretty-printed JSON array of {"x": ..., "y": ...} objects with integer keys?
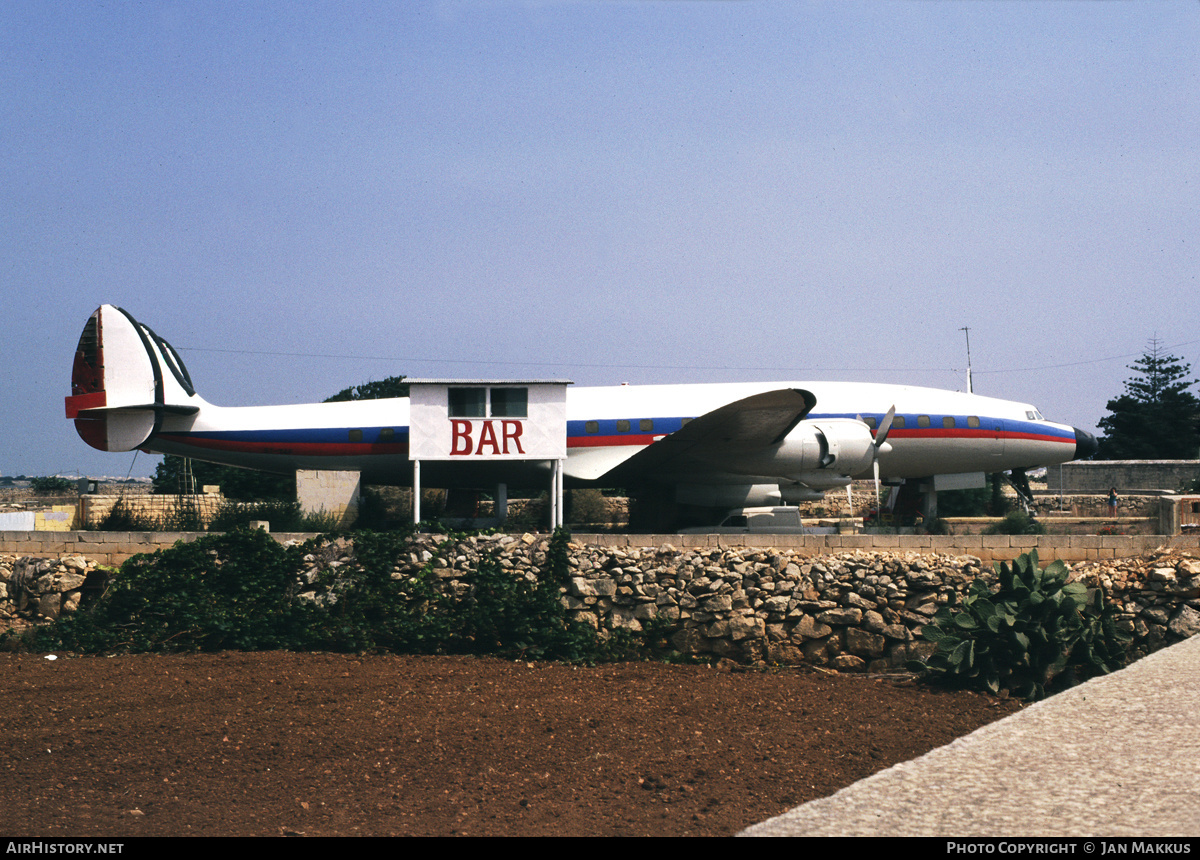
[{"x": 1085, "y": 444}]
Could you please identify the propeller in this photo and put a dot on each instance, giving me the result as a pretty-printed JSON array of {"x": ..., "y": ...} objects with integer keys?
[{"x": 881, "y": 434}]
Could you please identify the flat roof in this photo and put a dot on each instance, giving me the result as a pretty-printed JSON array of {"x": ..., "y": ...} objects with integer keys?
[{"x": 407, "y": 381}]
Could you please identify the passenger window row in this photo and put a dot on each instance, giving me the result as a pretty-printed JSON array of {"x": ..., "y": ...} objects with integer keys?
[
  {"x": 948, "y": 421},
  {"x": 387, "y": 434},
  {"x": 624, "y": 425}
]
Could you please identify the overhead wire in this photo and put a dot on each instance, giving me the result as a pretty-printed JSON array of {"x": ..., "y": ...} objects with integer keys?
[{"x": 710, "y": 367}]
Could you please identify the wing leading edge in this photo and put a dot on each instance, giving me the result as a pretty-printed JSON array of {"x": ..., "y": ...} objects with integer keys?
[{"x": 740, "y": 427}]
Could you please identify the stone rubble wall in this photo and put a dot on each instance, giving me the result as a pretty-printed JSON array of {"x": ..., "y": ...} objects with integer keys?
[
  {"x": 1096, "y": 476},
  {"x": 41, "y": 589},
  {"x": 852, "y": 611}
]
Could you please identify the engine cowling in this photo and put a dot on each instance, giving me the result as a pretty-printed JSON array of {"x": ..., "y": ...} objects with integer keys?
[{"x": 822, "y": 454}]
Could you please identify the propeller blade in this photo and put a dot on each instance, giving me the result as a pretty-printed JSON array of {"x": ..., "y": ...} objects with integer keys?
[
  {"x": 885, "y": 427},
  {"x": 878, "y": 511}
]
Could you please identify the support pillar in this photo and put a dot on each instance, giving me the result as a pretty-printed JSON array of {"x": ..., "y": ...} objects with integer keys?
[
  {"x": 501, "y": 503},
  {"x": 331, "y": 493},
  {"x": 416, "y": 492}
]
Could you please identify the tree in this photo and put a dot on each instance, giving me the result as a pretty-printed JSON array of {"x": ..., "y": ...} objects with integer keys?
[
  {"x": 1157, "y": 418},
  {"x": 393, "y": 386},
  {"x": 243, "y": 485}
]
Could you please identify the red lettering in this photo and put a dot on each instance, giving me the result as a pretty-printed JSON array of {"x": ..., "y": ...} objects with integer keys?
[
  {"x": 461, "y": 431},
  {"x": 513, "y": 430},
  {"x": 487, "y": 437}
]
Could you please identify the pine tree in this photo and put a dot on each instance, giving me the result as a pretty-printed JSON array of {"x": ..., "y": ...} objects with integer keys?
[{"x": 1157, "y": 418}]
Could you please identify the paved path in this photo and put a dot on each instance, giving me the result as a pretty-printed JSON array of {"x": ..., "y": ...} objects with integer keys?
[{"x": 1116, "y": 756}]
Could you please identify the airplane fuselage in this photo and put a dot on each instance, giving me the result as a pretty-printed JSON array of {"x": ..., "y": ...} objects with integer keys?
[
  {"x": 131, "y": 390},
  {"x": 943, "y": 432}
]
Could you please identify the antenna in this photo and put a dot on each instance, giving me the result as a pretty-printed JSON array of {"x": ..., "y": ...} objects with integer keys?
[{"x": 970, "y": 389}]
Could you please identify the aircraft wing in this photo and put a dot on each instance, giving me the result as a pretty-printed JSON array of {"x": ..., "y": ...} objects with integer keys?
[{"x": 745, "y": 425}]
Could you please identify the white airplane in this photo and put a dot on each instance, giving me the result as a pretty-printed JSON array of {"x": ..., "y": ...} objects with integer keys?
[{"x": 719, "y": 445}]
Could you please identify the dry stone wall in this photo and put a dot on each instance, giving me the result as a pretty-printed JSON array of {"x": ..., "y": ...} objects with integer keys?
[
  {"x": 41, "y": 589},
  {"x": 853, "y": 611}
]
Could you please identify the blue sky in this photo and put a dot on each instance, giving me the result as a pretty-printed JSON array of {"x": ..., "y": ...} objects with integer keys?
[{"x": 305, "y": 196}]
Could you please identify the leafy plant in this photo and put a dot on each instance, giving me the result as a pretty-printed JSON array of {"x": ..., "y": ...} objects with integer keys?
[
  {"x": 586, "y": 507},
  {"x": 123, "y": 518},
  {"x": 54, "y": 484},
  {"x": 1035, "y": 633},
  {"x": 937, "y": 526},
  {"x": 284, "y": 516},
  {"x": 231, "y": 591},
  {"x": 1016, "y": 523},
  {"x": 235, "y": 482},
  {"x": 242, "y": 591}
]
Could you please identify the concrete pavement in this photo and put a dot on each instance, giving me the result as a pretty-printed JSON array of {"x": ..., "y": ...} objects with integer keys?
[{"x": 1116, "y": 756}]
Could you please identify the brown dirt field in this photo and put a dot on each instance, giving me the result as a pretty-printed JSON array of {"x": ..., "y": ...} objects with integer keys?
[{"x": 239, "y": 744}]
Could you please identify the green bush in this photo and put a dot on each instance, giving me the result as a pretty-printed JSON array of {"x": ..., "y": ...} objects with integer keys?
[
  {"x": 1016, "y": 523},
  {"x": 586, "y": 507},
  {"x": 122, "y": 518},
  {"x": 232, "y": 591},
  {"x": 1036, "y": 633},
  {"x": 53, "y": 484},
  {"x": 241, "y": 591},
  {"x": 284, "y": 516}
]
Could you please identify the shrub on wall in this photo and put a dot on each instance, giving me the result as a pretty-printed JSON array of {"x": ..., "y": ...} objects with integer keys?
[
  {"x": 1016, "y": 523},
  {"x": 241, "y": 591}
]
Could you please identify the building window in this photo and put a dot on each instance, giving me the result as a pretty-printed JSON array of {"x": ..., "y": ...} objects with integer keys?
[
  {"x": 510, "y": 402},
  {"x": 468, "y": 402},
  {"x": 474, "y": 402}
]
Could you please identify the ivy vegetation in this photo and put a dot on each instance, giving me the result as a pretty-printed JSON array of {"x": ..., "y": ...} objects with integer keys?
[{"x": 243, "y": 591}]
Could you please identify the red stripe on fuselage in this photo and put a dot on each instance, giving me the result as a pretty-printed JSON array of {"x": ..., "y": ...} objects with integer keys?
[
  {"x": 965, "y": 433},
  {"x": 611, "y": 441},
  {"x": 898, "y": 433},
  {"x": 300, "y": 449}
]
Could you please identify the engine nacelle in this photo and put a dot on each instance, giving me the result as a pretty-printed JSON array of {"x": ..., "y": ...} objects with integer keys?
[
  {"x": 849, "y": 445},
  {"x": 822, "y": 454}
]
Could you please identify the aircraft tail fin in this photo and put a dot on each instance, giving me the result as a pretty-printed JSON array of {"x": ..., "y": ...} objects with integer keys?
[{"x": 124, "y": 379}]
